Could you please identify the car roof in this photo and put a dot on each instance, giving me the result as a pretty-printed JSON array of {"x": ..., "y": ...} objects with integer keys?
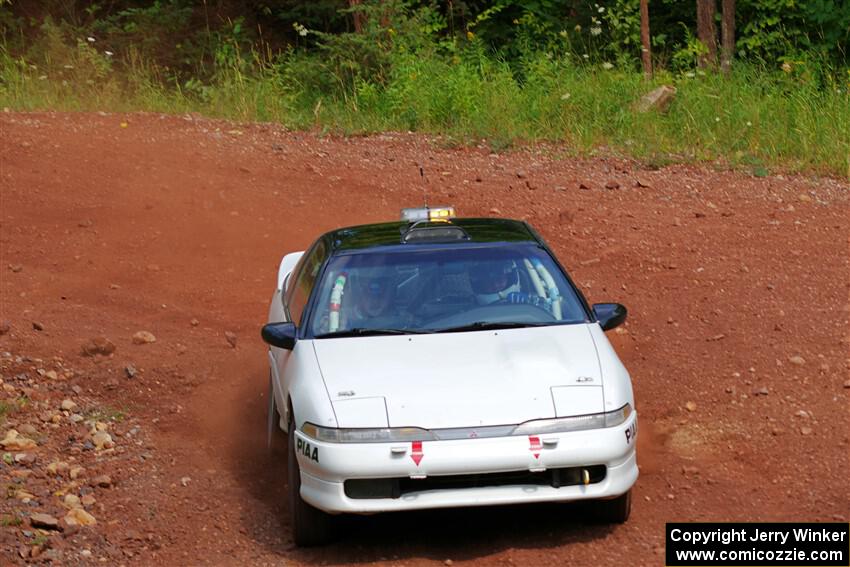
[{"x": 391, "y": 234}]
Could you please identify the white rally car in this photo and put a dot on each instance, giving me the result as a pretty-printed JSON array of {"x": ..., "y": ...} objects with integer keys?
[{"x": 444, "y": 362}]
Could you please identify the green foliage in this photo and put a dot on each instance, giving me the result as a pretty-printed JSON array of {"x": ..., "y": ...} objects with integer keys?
[
  {"x": 183, "y": 37},
  {"x": 504, "y": 72},
  {"x": 8, "y": 407},
  {"x": 685, "y": 58},
  {"x": 777, "y": 29},
  {"x": 150, "y": 30},
  {"x": 107, "y": 413},
  {"x": 623, "y": 21},
  {"x": 11, "y": 521}
]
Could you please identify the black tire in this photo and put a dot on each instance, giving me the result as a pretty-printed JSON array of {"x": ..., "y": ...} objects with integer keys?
[
  {"x": 310, "y": 526},
  {"x": 273, "y": 432},
  {"x": 614, "y": 511}
]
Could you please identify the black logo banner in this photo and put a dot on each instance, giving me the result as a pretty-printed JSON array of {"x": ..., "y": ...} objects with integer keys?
[{"x": 758, "y": 544}]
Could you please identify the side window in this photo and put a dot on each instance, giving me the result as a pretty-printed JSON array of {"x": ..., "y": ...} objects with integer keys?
[{"x": 299, "y": 290}]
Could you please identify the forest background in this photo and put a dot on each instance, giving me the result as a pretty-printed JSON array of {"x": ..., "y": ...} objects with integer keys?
[{"x": 774, "y": 95}]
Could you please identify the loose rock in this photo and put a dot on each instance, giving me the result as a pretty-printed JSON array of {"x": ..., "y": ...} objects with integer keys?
[
  {"x": 24, "y": 496},
  {"x": 103, "y": 481},
  {"x": 44, "y": 521},
  {"x": 143, "y": 338},
  {"x": 102, "y": 440},
  {"x": 28, "y": 429},
  {"x": 231, "y": 338},
  {"x": 797, "y": 360},
  {"x": 658, "y": 99},
  {"x": 68, "y": 405},
  {"x": 79, "y": 517},
  {"x": 691, "y": 406},
  {"x": 37, "y": 326},
  {"x": 71, "y": 501},
  {"x": 26, "y": 459},
  {"x": 13, "y": 441},
  {"x": 130, "y": 371},
  {"x": 97, "y": 345},
  {"x": 57, "y": 467}
]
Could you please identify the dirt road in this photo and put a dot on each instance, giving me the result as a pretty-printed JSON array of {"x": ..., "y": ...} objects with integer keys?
[{"x": 737, "y": 339}]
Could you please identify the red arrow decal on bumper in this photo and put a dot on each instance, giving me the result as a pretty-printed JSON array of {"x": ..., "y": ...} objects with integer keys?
[
  {"x": 534, "y": 445},
  {"x": 416, "y": 452}
]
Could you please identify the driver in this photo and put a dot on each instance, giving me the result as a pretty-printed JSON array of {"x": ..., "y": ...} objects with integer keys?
[
  {"x": 494, "y": 281},
  {"x": 369, "y": 301}
]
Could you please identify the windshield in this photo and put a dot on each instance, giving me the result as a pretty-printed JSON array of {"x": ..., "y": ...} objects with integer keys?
[{"x": 443, "y": 290}]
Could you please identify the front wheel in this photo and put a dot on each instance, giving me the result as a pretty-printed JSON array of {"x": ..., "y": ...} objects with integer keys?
[
  {"x": 272, "y": 419},
  {"x": 614, "y": 511},
  {"x": 310, "y": 526}
]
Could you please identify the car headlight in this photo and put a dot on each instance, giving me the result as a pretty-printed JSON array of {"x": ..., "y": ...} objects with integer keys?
[
  {"x": 404, "y": 434},
  {"x": 575, "y": 423},
  {"x": 366, "y": 435}
]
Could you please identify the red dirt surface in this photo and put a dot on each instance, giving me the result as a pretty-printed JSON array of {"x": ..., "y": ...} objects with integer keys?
[{"x": 112, "y": 224}]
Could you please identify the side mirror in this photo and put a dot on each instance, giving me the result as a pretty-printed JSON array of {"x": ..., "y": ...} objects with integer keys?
[
  {"x": 280, "y": 335},
  {"x": 610, "y": 315}
]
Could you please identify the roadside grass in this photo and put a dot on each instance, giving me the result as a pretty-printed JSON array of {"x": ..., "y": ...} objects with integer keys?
[
  {"x": 753, "y": 119},
  {"x": 106, "y": 413},
  {"x": 8, "y": 407},
  {"x": 10, "y": 521}
]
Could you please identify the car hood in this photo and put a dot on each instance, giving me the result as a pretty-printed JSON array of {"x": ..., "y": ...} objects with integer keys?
[{"x": 467, "y": 379}]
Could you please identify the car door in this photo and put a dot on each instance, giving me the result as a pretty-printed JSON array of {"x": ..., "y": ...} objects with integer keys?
[{"x": 298, "y": 288}]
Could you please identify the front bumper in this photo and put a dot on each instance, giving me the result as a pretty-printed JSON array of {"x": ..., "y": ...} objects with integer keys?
[{"x": 326, "y": 466}]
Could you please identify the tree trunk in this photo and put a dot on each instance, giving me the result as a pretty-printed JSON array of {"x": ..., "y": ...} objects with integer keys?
[
  {"x": 645, "y": 50},
  {"x": 727, "y": 28},
  {"x": 359, "y": 17},
  {"x": 707, "y": 32}
]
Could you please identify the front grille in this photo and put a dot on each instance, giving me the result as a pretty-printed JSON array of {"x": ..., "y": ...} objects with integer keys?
[{"x": 371, "y": 488}]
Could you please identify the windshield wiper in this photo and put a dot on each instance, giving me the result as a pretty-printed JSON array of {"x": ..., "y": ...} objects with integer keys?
[
  {"x": 366, "y": 332},
  {"x": 488, "y": 325}
]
